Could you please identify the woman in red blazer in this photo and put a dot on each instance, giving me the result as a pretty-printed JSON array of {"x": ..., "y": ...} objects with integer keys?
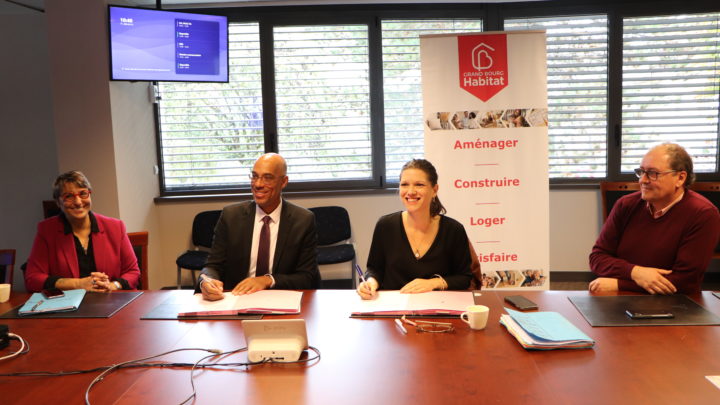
[{"x": 80, "y": 249}]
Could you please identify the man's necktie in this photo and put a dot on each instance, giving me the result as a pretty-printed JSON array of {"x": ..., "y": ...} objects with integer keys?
[{"x": 263, "y": 254}]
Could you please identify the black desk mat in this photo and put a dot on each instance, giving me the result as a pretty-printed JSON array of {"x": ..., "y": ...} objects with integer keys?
[
  {"x": 94, "y": 305},
  {"x": 610, "y": 310}
]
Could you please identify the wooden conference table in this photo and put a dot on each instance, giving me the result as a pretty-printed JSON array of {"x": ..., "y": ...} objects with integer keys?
[{"x": 367, "y": 361}]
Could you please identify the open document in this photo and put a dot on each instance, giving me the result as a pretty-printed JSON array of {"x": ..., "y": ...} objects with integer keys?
[
  {"x": 432, "y": 303},
  {"x": 544, "y": 331},
  {"x": 261, "y": 302}
]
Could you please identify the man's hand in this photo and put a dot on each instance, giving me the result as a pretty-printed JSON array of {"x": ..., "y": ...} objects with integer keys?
[
  {"x": 652, "y": 280},
  {"x": 212, "y": 290},
  {"x": 252, "y": 284},
  {"x": 603, "y": 284}
]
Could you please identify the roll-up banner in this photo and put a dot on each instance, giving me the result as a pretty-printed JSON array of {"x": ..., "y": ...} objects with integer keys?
[{"x": 485, "y": 112}]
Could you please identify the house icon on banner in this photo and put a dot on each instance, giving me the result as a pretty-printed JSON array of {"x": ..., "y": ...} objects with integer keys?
[{"x": 481, "y": 58}]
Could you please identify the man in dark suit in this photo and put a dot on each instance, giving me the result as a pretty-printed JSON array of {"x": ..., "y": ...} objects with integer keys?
[{"x": 264, "y": 243}]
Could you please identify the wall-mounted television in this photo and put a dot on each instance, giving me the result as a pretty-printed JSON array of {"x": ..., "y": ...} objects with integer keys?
[{"x": 159, "y": 45}]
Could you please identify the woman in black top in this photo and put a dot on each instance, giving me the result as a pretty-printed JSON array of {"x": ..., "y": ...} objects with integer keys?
[{"x": 419, "y": 249}]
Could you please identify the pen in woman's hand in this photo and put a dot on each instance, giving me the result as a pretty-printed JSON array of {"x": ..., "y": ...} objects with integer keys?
[
  {"x": 363, "y": 280},
  {"x": 360, "y": 273}
]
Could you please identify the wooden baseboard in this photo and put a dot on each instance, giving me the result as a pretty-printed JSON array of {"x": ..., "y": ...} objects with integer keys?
[{"x": 572, "y": 276}]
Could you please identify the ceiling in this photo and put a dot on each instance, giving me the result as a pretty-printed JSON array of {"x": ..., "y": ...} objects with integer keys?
[{"x": 25, "y": 6}]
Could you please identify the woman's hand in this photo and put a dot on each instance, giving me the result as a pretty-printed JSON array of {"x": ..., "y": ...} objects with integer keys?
[
  {"x": 101, "y": 282},
  {"x": 368, "y": 289},
  {"x": 93, "y": 282},
  {"x": 421, "y": 285}
]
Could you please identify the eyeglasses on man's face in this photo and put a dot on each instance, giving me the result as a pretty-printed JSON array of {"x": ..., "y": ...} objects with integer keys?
[
  {"x": 69, "y": 198},
  {"x": 651, "y": 174},
  {"x": 266, "y": 178}
]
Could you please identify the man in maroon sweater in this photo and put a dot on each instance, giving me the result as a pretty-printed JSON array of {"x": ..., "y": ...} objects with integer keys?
[{"x": 661, "y": 238}]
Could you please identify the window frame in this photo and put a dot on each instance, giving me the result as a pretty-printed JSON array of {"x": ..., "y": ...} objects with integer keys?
[
  {"x": 616, "y": 11},
  {"x": 492, "y": 15}
]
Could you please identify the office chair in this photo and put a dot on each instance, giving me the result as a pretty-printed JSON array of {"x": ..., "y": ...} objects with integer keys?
[
  {"x": 336, "y": 254},
  {"x": 7, "y": 265},
  {"x": 611, "y": 191},
  {"x": 203, "y": 230},
  {"x": 139, "y": 242},
  {"x": 50, "y": 208}
]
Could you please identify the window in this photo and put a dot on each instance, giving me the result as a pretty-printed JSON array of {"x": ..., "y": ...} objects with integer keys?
[
  {"x": 577, "y": 63},
  {"x": 671, "y": 81},
  {"x": 402, "y": 90},
  {"x": 211, "y": 133},
  {"x": 323, "y": 101},
  {"x": 339, "y": 91}
]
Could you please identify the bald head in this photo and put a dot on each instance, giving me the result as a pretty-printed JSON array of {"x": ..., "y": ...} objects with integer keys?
[
  {"x": 269, "y": 179},
  {"x": 273, "y": 160}
]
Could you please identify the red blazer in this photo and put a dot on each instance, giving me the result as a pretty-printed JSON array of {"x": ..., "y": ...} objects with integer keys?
[{"x": 53, "y": 253}]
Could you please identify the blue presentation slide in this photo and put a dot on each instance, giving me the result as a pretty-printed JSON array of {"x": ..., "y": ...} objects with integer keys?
[{"x": 167, "y": 46}]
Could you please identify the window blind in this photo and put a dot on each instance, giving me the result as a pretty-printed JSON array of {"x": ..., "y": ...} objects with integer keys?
[
  {"x": 577, "y": 63},
  {"x": 323, "y": 101},
  {"x": 211, "y": 133},
  {"x": 403, "y": 89},
  {"x": 671, "y": 81}
]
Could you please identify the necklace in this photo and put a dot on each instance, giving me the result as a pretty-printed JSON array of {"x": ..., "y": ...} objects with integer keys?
[{"x": 418, "y": 244}]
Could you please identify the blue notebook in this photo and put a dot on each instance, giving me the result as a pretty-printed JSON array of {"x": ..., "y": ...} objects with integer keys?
[
  {"x": 38, "y": 304},
  {"x": 544, "y": 331}
]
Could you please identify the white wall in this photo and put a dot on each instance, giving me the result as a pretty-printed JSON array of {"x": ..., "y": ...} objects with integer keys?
[
  {"x": 133, "y": 131},
  {"x": 77, "y": 43}
]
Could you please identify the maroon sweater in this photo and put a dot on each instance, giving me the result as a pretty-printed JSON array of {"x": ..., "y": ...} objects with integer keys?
[{"x": 682, "y": 240}]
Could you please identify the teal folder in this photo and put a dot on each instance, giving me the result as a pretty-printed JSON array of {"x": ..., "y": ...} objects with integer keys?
[
  {"x": 544, "y": 331},
  {"x": 38, "y": 304}
]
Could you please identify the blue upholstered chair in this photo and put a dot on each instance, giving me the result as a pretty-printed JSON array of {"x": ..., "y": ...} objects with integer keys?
[
  {"x": 203, "y": 230},
  {"x": 336, "y": 253}
]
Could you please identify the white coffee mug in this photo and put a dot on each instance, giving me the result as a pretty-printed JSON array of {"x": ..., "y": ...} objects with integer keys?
[
  {"x": 4, "y": 292},
  {"x": 476, "y": 316}
]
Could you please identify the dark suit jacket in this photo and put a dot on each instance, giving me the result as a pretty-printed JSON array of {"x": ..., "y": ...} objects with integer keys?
[
  {"x": 53, "y": 253},
  {"x": 295, "y": 261}
]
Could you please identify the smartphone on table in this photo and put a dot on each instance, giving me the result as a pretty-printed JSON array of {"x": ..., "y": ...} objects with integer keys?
[
  {"x": 51, "y": 293},
  {"x": 520, "y": 302}
]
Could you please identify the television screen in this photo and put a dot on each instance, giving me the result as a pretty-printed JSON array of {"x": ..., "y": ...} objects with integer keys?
[{"x": 158, "y": 45}]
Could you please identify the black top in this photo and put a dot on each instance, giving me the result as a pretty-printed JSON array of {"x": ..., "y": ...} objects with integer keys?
[
  {"x": 86, "y": 259},
  {"x": 393, "y": 264}
]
